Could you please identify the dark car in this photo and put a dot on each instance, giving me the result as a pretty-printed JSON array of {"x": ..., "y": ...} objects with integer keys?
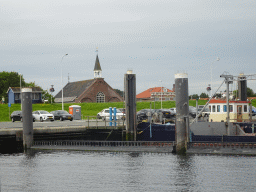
[
  {"x": 253, "y": 111},
  {"x": 143, "y": 114},
  {"x": 205, "y": 112},
  {"x": 17, "y": 116},
  {"x": 62, "y": 115},
  {"x": 165, "y": 112}
]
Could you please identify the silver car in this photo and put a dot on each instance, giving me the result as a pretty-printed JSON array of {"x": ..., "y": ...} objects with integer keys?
[{"x": 43, "y": 116}]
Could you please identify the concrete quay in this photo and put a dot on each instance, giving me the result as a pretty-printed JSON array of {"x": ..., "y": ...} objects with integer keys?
[
  {"x": 113, "y": 146},
  {"x": 222, "y": 148}
]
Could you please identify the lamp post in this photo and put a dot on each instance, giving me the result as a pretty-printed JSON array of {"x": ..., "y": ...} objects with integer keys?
[
  {"x": 51, "y": 90},
  {"x": 62, "y": 82},
  {"x": 211, "y": 73},
  {"x": 20, "y": 94},
  {"x": 161, "y": 93}
]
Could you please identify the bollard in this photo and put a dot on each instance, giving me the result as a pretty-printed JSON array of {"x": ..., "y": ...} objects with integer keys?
[
  {"x": 182, "y": 108},
  {"x": 110, "y": 116},
  {"x": 115, "y": 116},
  {"x": 130, "y": 105},
  {"x": 196, "y": 110},
  {"x": 27, "y": 117}
]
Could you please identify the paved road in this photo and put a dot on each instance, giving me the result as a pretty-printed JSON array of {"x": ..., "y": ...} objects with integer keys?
[{"x": 74, "y": 123}]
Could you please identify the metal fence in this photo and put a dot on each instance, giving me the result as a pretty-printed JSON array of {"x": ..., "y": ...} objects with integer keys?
[{"x": 93, "y": 121}]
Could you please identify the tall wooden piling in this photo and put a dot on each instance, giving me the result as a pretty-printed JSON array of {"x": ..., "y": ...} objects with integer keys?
[
  {"x": 182, "y": 111},
  {"x": 130, "y": 105},
  {"x": 242, "y": 87},
  {"x": 27, "y": 117}
]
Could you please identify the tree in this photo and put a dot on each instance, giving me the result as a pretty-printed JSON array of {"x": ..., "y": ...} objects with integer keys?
[
  {"x": 9, "y": 79},
  {"x": 250, "y": 93},
  {"x": 121, "y": 93},
  {"x": 204, "y": 95},
  {"x": 12, "y": 79},
  {"x": 194, "y": 96},
  {"x": 47, "y": 96},
  {"x": 217, "y": 95},
  {"x": 31, "y": 84}
]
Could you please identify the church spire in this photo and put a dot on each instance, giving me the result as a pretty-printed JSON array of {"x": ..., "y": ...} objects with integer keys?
[{"x": 97, "y": 68}]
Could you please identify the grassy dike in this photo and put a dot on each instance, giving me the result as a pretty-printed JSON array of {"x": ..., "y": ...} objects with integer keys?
[{"x": 89, "y": 109}]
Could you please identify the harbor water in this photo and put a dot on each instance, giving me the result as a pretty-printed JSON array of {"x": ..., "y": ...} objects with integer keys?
[{"x": 120, "y": 171}]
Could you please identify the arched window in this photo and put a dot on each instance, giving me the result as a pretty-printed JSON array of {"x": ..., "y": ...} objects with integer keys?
[{"x": 100, "y": 98}]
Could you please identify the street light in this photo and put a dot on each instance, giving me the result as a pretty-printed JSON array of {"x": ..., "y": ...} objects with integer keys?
[
  {"x": 51, "y": 90},
  {"x": 62, "y": 82},
  {"x": 20, "y": 94},
  {"x": 161, "y": 93},
  {"x": 211, "y": 73}
]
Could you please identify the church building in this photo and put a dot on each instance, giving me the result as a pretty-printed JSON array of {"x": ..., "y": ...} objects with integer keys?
[{"x": 93, "y": 90}]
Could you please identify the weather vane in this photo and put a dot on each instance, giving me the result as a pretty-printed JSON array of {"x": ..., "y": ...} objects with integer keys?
[{"x": 96, "y": 50}]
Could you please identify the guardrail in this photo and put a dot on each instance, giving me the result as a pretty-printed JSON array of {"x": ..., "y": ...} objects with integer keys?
[
  {"x": 93, "y": 121},
  {"x": 106, "y": 143}
]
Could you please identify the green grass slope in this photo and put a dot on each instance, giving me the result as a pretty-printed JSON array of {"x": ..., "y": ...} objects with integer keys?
[{"x": 89, "y": 109}]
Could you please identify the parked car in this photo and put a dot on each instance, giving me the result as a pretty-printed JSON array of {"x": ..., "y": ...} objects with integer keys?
[
  {"x": 143, "y": 114},
  {"x": 253, "y": 111},
  {"x": 43, "y": 116},
  {"x": 17, "y": 116},
  {"x": 192, "y": 111},
  {"x": 173, "y": 111},
  {"x": 165, "y": 112},
  {"x": 105, "y": 115},
  {"x": 122, "y": 110},
  {"x": 205, "y": 112},
  {"x": 62, "y": 115}
]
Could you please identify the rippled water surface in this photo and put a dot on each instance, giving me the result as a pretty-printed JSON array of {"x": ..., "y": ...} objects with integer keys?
[{"x": 105, "y": 171}]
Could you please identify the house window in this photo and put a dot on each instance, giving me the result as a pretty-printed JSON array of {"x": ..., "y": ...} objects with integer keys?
[
  {"x": 35, "y": 96},
  {"x": 224, "y": 108},
  {"x": 230, "y": 108},
  {"x": 213, "y": 108},
  {"x": 17, "y": 96},
  {"x": 218, "y": 108},
  {"x": 210, "y": 108},
  {"x": 245, "y": 108},
  {"x": 100, "y": 98}
]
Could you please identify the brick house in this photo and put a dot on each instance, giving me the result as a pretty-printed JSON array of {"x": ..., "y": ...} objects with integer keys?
[
  {"x": 94, "y": 90},
  {"x": 156, "y": 93}
]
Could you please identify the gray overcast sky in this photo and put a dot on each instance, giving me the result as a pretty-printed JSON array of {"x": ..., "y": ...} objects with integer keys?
[{"x": 155, "y": 38}]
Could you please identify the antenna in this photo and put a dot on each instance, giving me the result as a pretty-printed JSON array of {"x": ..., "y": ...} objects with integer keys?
[{"x": 68, "y": 77}]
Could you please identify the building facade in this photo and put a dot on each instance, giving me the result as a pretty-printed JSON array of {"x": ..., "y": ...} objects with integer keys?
[
  {"x": 15, "y": 97},
  {"x": 156, "y": 94},
  {"x": 95, "y": 90}
]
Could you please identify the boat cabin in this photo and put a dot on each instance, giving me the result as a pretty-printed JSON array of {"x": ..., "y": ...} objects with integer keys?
[{"x": 238, "y": 111}]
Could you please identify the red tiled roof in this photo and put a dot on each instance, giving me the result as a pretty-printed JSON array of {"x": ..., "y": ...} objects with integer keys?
[
  {"x": 224, "y": 101},
  {"x": 147, "y": 93}
]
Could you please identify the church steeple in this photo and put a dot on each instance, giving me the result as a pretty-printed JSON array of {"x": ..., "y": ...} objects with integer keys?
[{"x": 97, "y": 68}]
